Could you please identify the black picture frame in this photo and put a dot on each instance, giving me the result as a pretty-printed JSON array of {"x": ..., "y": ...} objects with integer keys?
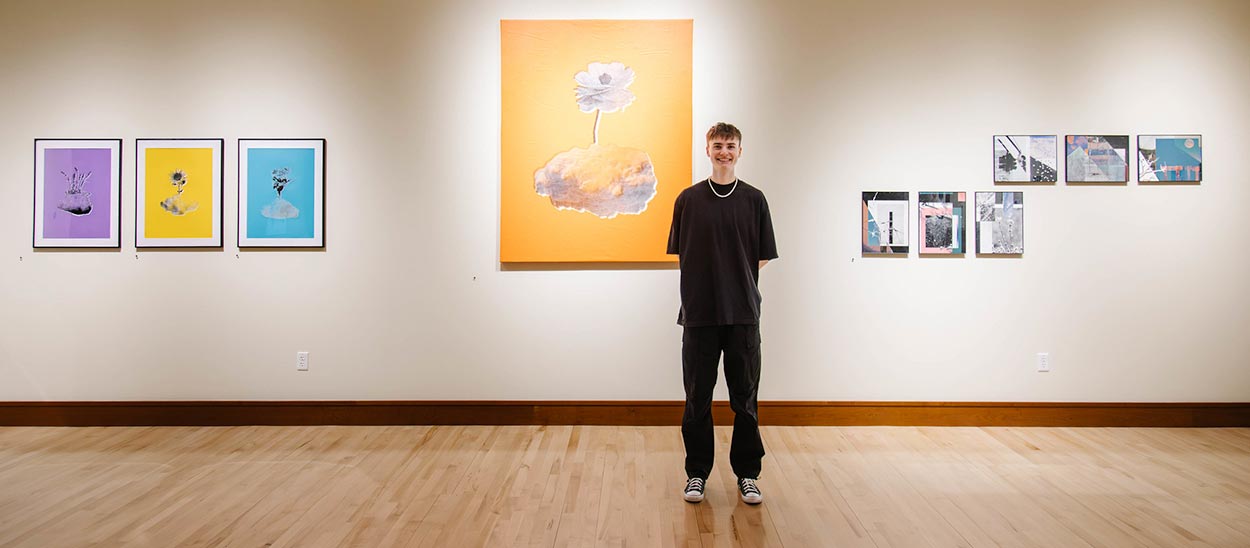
[
  {"x": 76, "y": 181},
  {"x": 143, "y": 202},
  {"x": 244, "y": 205}
]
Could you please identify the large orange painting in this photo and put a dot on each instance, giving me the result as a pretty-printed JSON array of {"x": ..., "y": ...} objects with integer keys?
[{"x": 595, "y": 138}]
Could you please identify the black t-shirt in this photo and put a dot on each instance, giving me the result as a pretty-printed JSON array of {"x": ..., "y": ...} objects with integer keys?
[{"x": 720, "y": 242}]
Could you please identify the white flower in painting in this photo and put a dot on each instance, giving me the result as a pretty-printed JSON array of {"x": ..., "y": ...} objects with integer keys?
[
  {"x": 602, "y": 87},
  {"x": 604, "y": 180}
]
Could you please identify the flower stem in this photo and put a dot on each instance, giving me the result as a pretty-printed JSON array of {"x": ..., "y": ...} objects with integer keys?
[{"x": 598, "y": 114}]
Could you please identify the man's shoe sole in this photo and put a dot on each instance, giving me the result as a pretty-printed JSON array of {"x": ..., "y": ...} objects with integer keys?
[{"x": 693, "y": 498}]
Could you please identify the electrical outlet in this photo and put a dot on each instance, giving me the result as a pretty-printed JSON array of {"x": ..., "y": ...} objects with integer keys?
[
  {"x": 1043, "y": 362},
  {"x": 301, "y": 361}
]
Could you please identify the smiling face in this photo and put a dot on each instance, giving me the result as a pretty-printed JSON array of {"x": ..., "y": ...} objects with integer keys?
[{"x": 723, "y": 152}]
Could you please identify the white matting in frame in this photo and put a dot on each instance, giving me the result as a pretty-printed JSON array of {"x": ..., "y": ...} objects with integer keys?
[
  {"x": 282, "y": 192},
  {"x": 77, "y": 193},
  {"x": 178, "y": 192}
]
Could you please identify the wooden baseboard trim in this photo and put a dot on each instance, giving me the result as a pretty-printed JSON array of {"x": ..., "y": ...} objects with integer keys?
[{"x": 621, "y": 413}]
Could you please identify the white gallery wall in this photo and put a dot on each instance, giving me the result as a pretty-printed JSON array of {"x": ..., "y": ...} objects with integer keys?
[{"x": 1139, "y": 293}]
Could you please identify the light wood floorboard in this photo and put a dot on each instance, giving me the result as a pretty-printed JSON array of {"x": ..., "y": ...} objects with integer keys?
[{"x": 540, "y": 486}]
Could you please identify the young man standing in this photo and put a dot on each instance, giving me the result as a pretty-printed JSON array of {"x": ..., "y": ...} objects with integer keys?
[{"x": 722, "y": 234}]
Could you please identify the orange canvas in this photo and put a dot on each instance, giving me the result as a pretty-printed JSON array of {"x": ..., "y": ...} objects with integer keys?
[{"x": 596, "y": 138}]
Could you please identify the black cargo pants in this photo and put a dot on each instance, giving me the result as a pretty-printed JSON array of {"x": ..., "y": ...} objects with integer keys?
[{"x": 701, "y": 352}]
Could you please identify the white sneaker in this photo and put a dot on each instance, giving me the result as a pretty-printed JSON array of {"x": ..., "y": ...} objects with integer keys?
[
  {"x": 694, "y": 490},
  {"x": 750, "y": 492}
]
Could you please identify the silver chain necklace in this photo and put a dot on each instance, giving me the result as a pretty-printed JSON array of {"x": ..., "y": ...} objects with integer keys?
[{"x": 731, "y": 191}]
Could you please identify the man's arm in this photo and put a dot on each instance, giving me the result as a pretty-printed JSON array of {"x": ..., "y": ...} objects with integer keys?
[
  {"x": 674, "y": 230},
  {"x": 768, "y": 243}
]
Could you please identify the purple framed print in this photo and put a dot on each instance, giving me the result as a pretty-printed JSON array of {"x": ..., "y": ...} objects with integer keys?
[{"x": 77, "y": 193}]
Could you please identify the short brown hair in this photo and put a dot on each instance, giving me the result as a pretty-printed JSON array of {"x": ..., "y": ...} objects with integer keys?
[{"x": 725, "y": 131}]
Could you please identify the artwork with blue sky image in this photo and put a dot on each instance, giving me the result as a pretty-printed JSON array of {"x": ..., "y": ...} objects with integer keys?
[
  {"x": 1097, "y": 158},
  {"x": 1169, "y": 158},
  {"x": 1000, "y": 223},
  {"x": 284, "y": 213},
  {"x": 884, "y": 228},
  {"x": 1026, "y": 158}
]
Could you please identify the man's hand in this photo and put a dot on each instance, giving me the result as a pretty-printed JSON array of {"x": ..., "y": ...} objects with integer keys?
[{"x": 762, "y": 263}]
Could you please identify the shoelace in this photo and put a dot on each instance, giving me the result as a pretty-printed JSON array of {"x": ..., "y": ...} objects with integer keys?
[
  {"x": 748, "y": 487},
  {"x": 695, "y": 484}
]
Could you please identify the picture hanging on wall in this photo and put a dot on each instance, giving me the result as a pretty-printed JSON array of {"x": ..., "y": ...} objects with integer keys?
[
  {"x": 595, "y": 142},
  {"x": 1097, "y": 158},
  {"x": 884, "y": 216},
  {"x": 1000, "y": 223},
  {"x": 178, "y": 188},
  {"x": 1169, "y": 158},
  {"x": 282, "y": 192},
  {"x": 1026, "y": 158},
  {"x": 942, "y": 222},
  {"x": 77, "y": 193}
]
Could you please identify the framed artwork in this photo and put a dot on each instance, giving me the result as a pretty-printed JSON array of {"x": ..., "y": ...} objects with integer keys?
[
  {"x": 884, "y": 223},
  {"x": 178, "y": 187},
  {"x": 1026, "y": 158},
  {"x": 282, "y": 192},
  {"x": 1169, "y": 158},
  {"x": 942, "y": 222},
  {"x": 596, "y": 139},
  {"x": 1097, "y": 158},
  {"x": 1000, "y": 223},
  {"x": 77, "y": 193}
]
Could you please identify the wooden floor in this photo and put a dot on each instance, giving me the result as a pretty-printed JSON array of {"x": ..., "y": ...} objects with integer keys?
[{"x": 619, "y": 486}]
